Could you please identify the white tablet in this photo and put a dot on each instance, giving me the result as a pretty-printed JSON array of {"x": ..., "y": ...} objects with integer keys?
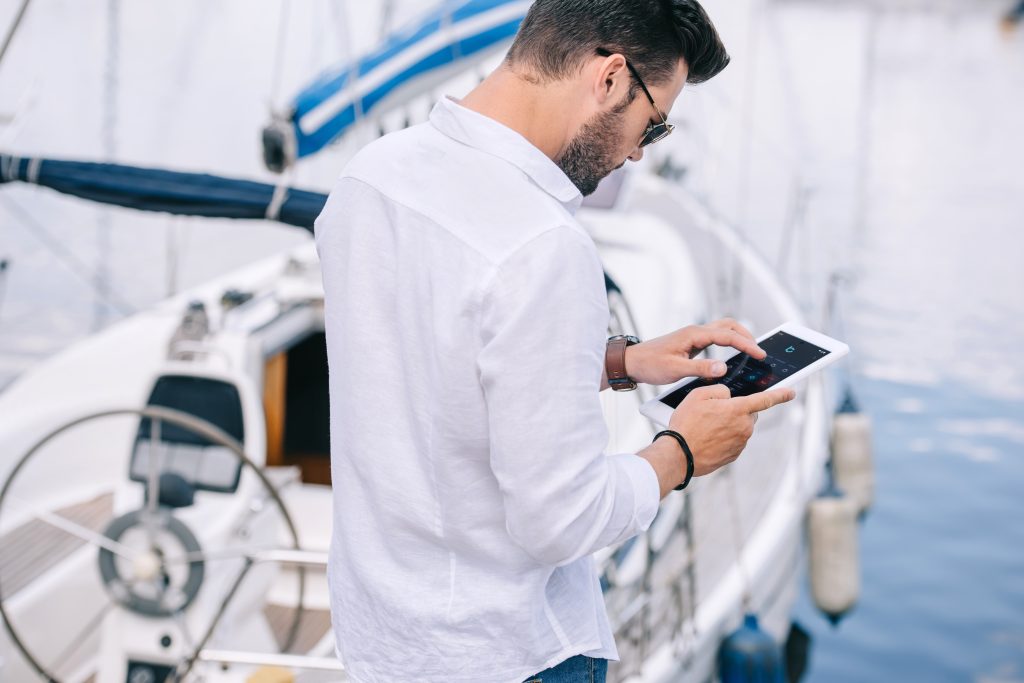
[{"x": 794, "y": 352}]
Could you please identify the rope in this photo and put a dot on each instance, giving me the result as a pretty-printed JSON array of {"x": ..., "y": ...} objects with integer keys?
[
  {"x": 34, "y": 164},
  {"x": 280, "y": 196},
  {"x": 277, "y": 201}
]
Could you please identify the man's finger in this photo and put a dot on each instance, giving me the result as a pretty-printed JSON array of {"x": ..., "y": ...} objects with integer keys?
[
  {"x": 723, "y": 336},
  {"x": 730, "y": 324},
  {"x": 705, "y": 367},
  {"x": 755, "y": 403}
]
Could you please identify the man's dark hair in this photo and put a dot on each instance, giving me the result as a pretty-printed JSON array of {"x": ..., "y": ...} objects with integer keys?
[{"x": 558, "y": 36}]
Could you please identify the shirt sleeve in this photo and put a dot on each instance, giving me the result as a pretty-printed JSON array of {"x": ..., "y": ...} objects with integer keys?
[{"x": 544, "y": 325}]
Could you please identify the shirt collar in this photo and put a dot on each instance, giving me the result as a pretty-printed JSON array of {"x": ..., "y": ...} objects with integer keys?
[{"x": 484, "y": 133}]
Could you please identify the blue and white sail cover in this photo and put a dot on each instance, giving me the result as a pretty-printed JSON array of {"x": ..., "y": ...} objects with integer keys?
[
  {"x": 174, "y": 192},
  {"x": 409, "y": 61}
]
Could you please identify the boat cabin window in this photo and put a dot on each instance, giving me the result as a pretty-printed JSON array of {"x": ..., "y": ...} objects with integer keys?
[
  {"x": 296, "y": 404},
  {"x": 205, "y": 465}
]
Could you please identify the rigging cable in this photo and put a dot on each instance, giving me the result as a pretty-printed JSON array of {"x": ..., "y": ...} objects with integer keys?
[
  {"x": 172, "y": 254},
  {"x": 864, "y": 132},
  {"x": 690, "y": 646},
  {"x": 387, "y": 15},
  {"x": 4, "y": 263},
  {"x": 774, "y": 447},
  {"x": 746, "y": 149},
  {"x": 176, "y": 231},
  {"x": 105, "y": 218},
  {"x": 833, "y": 320},
  {"x": 737, "y": 535},
  {"x": 341, "y": 22},
  {"x": 684, "y": 642},
  {"x": 9, "y": 38},
  {"x": 795, "y": 222},
  {"x": 279, "y": 50},
  {"x": 66, "y": 256}
]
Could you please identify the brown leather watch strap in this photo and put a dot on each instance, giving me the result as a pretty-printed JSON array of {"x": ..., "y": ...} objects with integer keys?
[{"x": 615, "y": 365}]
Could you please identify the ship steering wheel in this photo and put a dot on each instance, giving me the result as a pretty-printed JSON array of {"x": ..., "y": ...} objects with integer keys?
[{"x": 152, "y": 566}]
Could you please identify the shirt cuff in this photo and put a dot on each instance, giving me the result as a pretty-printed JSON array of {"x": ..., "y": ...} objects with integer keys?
[{"x": 646, "y": 488}]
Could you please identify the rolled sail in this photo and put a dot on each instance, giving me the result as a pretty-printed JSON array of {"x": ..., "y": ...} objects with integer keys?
[
  {"x": 175, "y": 192},
  {"x": 411, "y": 60}
]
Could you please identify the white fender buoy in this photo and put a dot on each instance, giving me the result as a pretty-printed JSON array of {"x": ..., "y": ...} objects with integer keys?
[
  {"x": 834, "y": 561},
  {"x": 852, "y": 459}
]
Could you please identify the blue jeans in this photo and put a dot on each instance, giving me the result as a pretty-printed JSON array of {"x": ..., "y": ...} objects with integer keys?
[{"x": 578, "y": 669}]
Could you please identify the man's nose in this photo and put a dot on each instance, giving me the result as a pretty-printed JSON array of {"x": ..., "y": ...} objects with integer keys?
[{"x": 637, "y": 154}]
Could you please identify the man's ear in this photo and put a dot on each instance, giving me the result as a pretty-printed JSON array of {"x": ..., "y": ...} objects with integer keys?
[{"x": 611, "y": 79}]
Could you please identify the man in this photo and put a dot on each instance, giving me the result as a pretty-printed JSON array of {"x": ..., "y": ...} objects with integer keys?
[{"x": 466, "y": 322}]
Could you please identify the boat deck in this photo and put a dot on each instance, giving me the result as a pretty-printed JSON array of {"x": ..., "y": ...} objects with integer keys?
[
  {"x": 313, "y": 626},
  {"x": 33, "y": 548}
]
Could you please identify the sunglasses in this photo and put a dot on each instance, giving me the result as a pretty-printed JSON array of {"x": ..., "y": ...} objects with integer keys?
[{"x": 654, "y": 131}]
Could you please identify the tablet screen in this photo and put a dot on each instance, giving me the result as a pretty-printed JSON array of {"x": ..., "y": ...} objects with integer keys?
[{"x": 744, "y": 375}]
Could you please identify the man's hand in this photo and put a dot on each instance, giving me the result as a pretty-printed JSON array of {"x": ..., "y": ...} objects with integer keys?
[
  {"x": 717, "y": 427},
  {"x": 669, "y": 358}
]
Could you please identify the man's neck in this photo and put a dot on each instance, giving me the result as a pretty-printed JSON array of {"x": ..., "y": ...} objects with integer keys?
[{"x": 535, "y": 111}]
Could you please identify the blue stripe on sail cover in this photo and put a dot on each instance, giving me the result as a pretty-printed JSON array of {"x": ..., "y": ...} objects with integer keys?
[
  {"x": 449, "y": 15},
  {"x": 317, "y": 140}
]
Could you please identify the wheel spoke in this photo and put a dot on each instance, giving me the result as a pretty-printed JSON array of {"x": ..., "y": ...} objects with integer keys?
[
  {"x": 153, "y": 481},
  {"x": 80, "y": 637},
  {"x": 186, "y": 666},
  {"x": 208, "y": 555},
  {"x": 79, "y": 531}
]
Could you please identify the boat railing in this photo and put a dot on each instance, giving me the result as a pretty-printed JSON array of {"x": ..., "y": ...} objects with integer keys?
[{"x": 260, "y": 659}]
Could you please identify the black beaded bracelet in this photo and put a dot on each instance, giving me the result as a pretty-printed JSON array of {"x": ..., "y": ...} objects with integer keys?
[{"x": 686, "y": 450}]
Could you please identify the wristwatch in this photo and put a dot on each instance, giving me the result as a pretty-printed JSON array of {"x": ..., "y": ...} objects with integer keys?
[{"x": 615, "y": 362}]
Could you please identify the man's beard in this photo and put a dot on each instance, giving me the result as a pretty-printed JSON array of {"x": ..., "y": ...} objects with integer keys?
[{"x": 590, "y": 155}]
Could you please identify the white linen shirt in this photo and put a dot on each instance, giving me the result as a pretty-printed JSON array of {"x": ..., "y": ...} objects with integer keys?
[{"x": 466, "y": 320}]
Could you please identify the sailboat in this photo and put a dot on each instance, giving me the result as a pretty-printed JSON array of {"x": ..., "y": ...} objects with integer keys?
[{"x": 165, "y": 504}]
